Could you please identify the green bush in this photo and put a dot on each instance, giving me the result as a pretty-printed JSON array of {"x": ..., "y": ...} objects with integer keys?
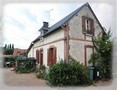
[
  {"x": 40, "y": 72},
  {"x": 12, "y": 60},
  {"x": 103, "y": 46},
  {"x": 68, "y": 74},
  {"x": 25, "y": 65}
]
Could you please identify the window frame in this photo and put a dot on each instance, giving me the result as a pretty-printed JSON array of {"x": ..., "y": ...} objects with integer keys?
[
  {"x": 37, "y": 56},
  {"x": 54, "y": 53},
  {"x": 84, "y": 30},
  {"x": 41, "y": 56}
]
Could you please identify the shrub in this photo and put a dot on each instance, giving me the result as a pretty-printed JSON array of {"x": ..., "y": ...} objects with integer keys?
[
  {"x": 68, "y": 74},
  {"x": 25, "y": 65},
  {"x": 12, "y": 60},
  {"x": 40, "y": 72}
]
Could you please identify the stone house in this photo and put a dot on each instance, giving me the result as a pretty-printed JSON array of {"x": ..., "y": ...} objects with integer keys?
[{"x": 70, "y": 37}]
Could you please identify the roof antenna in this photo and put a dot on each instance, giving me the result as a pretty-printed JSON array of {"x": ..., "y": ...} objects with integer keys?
[{"x": 49, "y": 11}]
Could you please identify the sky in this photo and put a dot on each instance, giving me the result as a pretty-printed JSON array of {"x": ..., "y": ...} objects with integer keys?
[{"x": 21, "y": 22}]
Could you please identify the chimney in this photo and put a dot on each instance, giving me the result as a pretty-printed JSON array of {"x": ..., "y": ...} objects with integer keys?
[{"x": 45, "y": 24}]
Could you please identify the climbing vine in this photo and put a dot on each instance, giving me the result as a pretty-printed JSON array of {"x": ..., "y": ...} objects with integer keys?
[{"x": 103, "y": 57}]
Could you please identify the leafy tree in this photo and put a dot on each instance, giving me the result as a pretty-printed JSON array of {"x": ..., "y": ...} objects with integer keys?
[{"x": 103, "y": 57}]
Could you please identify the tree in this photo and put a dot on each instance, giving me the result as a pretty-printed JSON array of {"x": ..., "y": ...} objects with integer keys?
[
  {"x": 103, "y": 57},
  {"x": 4, "y": 49},
  {"x": 8, "y": 49}
]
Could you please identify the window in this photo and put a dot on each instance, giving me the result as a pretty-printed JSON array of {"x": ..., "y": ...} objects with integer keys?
[
  {"x": 41, "y": 57},
  {"x": 87, "y": 25},
  {"x": 37, "y": 56},
  {"x": 51, "y": 56}
]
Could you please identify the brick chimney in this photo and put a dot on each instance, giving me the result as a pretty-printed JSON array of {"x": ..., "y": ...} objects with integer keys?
[{"x": 45, "y": 24}]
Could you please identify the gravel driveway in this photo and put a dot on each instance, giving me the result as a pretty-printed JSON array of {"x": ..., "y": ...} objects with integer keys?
[{"x": 13, "y": 79}]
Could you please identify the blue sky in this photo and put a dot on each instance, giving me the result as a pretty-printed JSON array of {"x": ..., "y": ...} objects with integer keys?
[{"x": 21, "y": 22}]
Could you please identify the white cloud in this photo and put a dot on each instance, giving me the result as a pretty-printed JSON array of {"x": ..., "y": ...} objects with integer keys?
[
  {"x": 104, "y": 13},
  {"x": 22, "y": 21}
]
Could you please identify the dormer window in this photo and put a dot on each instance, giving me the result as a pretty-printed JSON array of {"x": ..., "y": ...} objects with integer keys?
[
  {"x": 44, "y": 28},
  {"x": 87, "y": 25}
]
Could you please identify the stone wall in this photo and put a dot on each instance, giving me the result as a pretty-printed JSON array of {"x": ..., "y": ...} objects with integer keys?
[
  {"x": 77, "y": 49},
  {"x": 76, "y": 24},
  {"x": 77, "y": 39}
]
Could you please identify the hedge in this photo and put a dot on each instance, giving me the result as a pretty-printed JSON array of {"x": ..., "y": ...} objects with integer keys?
[{"x": 25, "y": 65}]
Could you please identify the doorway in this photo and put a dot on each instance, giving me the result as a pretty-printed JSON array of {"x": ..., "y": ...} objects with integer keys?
[{"x": 88, "y": 52}]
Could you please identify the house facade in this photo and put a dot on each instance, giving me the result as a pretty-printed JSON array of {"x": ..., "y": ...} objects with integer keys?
[
  {"x": 69, "y": 38},
  {"x": 19, "y": 51}
]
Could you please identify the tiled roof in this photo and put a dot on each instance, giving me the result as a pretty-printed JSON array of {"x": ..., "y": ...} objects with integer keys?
[
  {"x": 64, "y": 21},
  {"x": 61, "y": 22}
]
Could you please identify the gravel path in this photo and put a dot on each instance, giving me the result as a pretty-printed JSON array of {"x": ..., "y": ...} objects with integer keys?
[
  {"x": 13, "y": 79},
  {"x": 103, "y": 83}
]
